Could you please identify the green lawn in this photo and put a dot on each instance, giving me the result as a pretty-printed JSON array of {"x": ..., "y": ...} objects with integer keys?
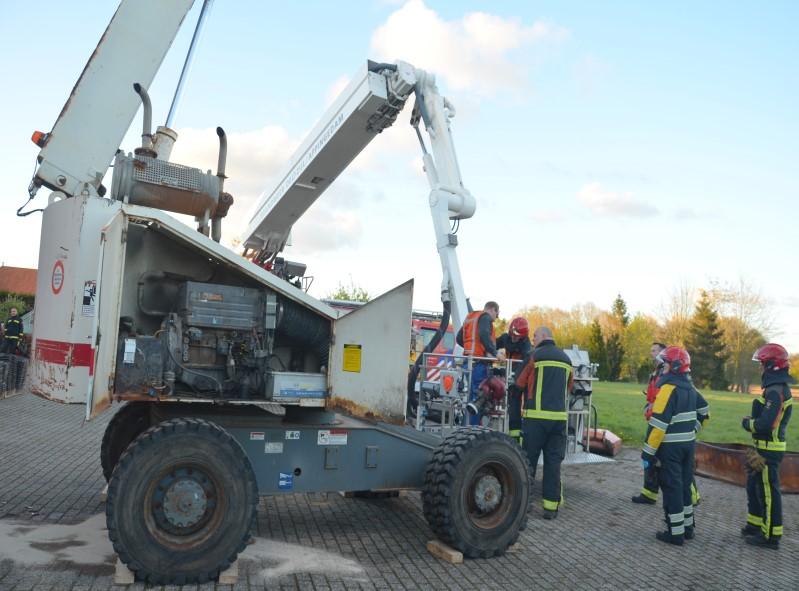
[{"x": 620, "y": 407}]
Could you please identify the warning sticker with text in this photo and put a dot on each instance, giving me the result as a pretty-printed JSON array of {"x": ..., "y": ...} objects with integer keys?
[{"x": 332, "y": 437}]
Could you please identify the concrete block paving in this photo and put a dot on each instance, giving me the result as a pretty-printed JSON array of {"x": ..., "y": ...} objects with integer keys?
[{"x": 50, "y": 483}]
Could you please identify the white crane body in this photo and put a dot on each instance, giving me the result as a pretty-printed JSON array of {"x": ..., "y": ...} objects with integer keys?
[{"x": 235, "y": 382}]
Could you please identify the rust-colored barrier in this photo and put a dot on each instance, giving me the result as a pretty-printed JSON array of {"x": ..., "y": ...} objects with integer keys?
[{"x": 725, "y": 461}]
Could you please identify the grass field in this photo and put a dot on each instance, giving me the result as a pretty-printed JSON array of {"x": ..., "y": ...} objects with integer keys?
[{"x": 620, "y": 407}]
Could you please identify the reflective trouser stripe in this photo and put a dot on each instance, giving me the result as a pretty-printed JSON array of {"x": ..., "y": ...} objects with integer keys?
[
  {"x": 677, "y": 523},
  {"x": 12, "y": 338},
  {"x": 754, "y": 520},
  {"x": 517, "y": 435},
  {"x": 649, "y": 494},
  {"x": 695, "y": 498},
  {"x": 776, "y": 530},
  {"x": 770, "y": 445},
  {"x": 688, "y": 512},
  {"x": 553, "y": 505},
  {"x": 549, "y": 415},
  {"x": 766, "y": 527}
]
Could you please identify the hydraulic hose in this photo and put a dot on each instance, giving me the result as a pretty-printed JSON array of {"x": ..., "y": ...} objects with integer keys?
[{"x": 413, "y": 374}]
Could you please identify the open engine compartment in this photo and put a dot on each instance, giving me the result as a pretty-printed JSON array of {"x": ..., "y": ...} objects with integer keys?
[{"x": 190, "y": 326}]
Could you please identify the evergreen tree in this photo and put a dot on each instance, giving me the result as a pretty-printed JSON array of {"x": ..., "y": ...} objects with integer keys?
[
  {"x": 597, "y": 350},
  {"x": 615, "y": 356},
  {"x": 619, "y": 311},
  {"x": 705, "y": 344}
]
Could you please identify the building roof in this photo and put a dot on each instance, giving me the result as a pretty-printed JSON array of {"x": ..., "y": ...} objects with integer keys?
[{"x": 18, "y": 280}]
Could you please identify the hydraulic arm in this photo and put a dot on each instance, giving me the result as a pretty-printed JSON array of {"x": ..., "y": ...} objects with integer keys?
[{"x": 370, "y": 104}]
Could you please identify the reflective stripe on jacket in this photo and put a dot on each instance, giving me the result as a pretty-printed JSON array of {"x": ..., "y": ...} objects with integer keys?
[
  {"x": 13, "y": 328},
  {"x": 770, "y": 416},
  {"x": 547, "y": 379},
  {"x": 674, "y": 413}
]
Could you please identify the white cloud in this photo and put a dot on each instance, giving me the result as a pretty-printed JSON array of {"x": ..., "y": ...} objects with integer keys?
[
  {"x": 479, "y": 52},
  {"x": 254, "y": 158},
  {"x": 603, "y": 202}
]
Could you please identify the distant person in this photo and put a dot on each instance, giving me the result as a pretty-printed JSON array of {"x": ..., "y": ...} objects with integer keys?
[
  {"x": 476, "y": 336},
  {"x": 13, "y": 333},
  {"x": 649, "y": 492},
  {"x": 517, "y": 346},
  {"x": 670, "y": 440},
  {"x": 768, "y": 425},
  {"x": 546, "y": 381}
]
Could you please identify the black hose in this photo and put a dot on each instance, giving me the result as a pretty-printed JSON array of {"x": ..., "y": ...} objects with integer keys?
[{"x": 413, "y": 374}]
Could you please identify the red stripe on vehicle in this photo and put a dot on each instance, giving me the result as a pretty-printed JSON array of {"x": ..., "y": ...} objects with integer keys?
[{"x": 63, "y": 353}]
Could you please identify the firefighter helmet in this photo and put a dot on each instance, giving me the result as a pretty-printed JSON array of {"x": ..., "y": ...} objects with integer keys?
[
  {"x": 519, "y": 327},
  {"x": 774, "y": 357},
  {"x": 676, "y": 359}
]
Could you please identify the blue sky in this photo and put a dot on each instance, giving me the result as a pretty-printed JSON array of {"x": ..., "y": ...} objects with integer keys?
[{"x": 612, "y": 147}]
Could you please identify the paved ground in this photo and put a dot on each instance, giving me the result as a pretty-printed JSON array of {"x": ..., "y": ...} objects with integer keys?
[{"x": 50, "y": 481}]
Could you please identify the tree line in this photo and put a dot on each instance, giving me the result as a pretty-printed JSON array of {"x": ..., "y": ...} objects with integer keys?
[{"x": 720, "y": 326}]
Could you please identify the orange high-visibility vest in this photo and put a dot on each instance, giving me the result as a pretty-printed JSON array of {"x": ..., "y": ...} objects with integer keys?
[{"x": 472, "y": 345}]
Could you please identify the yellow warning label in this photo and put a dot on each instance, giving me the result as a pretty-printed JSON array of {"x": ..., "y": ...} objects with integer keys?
[{"x": 352, "y": 358}]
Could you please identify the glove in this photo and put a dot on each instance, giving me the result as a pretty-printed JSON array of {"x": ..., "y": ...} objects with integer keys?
[
  {"x": 647, "y": 460},
  {"x": 745, "y": 423},
  {"x": 754, "y": 461}
]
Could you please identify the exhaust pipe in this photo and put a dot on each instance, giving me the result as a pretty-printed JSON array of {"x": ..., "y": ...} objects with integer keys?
[
  {"x": 147, "y": 125},
  {"x": 216, "y": 222},
  {"x": 220, "y": 165}
]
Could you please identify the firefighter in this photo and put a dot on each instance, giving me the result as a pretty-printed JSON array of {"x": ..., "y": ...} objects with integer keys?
[
  {"x": 767, "y": 424},
  {"x": 13, "y": 333},
  {"x": 476, "y": 336},
  {"x": 516, "y": 343},
  {"x": 649, "y": 491},
  {"x": 670, "y": 439},
  {"x": 546, "y": 381}
]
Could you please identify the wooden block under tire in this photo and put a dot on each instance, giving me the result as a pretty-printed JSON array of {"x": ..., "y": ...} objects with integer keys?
[
  {"x": 122, "y": 574},
  {"x": 230, "y": 576},
  {"x": 440, "y": 550}
]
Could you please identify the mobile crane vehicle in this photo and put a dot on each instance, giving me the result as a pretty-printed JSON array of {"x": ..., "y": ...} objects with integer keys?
[{"x": 236, "y": 382}]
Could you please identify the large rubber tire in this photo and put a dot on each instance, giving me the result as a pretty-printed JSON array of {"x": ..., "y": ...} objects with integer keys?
[
  {"x": 129, "y": 421},
  {"x": 181, "y": 502},
  {"x": 478, "y": 491}
]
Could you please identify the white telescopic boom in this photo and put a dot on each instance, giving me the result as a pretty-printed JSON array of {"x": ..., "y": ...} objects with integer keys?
[{"x": 369, "y": 104}]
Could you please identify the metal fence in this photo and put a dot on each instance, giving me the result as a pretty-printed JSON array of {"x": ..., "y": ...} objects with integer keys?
[{"x": 13, "y": 374}]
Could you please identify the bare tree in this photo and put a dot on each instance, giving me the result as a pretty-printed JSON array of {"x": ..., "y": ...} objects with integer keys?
[
  {"x": 748, "y": 318},
  {"x": 676, "y": 314}
]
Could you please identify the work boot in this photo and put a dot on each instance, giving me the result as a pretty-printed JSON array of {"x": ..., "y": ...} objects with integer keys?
[
  {"x": 750, "y": 530},
  {"x": 642, "y": 500},
  {"x": 689, "y": 533},
  {"x": 665, "y": 536},
  {"x": 550, "y": 514},
  {"x": 759, "y": 540}
]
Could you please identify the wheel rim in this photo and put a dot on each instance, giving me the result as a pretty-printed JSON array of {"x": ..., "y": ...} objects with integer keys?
[
  {"x": 489, "y": 496},
  {"x": 184, "y": 506}
]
